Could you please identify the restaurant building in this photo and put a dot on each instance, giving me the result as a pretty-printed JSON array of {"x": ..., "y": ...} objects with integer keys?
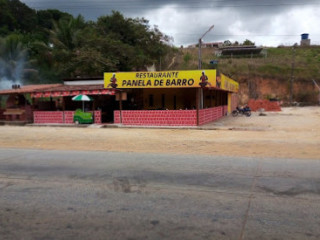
[
  {"x": 52, "y": 103},
  {"x": 172, "y": 98},
  {"x": 166, "y": 98}
]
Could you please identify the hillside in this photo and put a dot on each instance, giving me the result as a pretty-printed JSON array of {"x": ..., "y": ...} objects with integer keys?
[{"x": 267, "y": 76}]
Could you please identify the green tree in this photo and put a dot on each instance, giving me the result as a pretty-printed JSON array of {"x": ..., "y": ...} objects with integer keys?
[
  {"x": 248, "y": 42},
  {"x": 45, "y": 22},
  {"x": 65, "y": 33},
  {"x": 59, "y": 45},
  {"x": 77, "y": 49},
  {"x": 25, "y": 18},
  {"x": 137, "y": 44},
  {"x": 227, "y": 43},
  {"x": 6, "y": 18}
]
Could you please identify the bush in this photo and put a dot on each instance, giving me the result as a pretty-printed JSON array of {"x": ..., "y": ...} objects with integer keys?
[{"x": 187, "y": 57}]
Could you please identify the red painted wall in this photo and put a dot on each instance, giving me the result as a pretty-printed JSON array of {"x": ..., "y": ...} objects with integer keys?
[
  {"x": 157, "y": 117},
  {"x": 212, "y": 114},
  {"x": 169, "y": 117},
  {"x": 97, "y": 117},
  {"x": 66, "y": 117},
  {"x": 47, "y": 117}
]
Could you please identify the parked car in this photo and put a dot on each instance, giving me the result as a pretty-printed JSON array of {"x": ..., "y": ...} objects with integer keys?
[{"x": 82, "y": 117}]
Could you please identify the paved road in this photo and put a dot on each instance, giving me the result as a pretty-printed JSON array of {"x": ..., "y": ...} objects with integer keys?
[{"x": 106, "y": 195}]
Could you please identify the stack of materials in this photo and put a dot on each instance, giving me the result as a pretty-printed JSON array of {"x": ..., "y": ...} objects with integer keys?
[{"x": 270, "y": 106}]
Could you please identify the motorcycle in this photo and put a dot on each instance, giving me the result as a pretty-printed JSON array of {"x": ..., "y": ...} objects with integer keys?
[{"x": 244, "y": 111}]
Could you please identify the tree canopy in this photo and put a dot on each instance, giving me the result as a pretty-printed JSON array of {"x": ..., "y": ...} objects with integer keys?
[{"x": 58, "y": 45}]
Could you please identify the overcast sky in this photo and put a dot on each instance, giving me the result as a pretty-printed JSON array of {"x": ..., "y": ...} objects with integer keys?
[{"x": 265, "y": 22}]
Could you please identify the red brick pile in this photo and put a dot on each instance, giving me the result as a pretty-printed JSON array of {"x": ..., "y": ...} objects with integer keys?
[{"x": 267, "y": 105}]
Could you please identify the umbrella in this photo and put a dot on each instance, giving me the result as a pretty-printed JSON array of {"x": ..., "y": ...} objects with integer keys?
[{"x": 82, "y": 98}]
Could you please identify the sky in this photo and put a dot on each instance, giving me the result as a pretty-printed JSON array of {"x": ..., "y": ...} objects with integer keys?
[{"x": 265, "y": 22}]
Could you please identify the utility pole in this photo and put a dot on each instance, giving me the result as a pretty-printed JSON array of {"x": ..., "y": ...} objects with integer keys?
[
  {"x": 292, "y": 74},
  {"x": 200, "y": 42},
  {"x": 200, "y": 62},
  {"x": 199, "y": 57}
]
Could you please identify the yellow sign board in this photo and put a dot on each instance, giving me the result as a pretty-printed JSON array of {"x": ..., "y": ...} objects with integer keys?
[
  {"x": 227, "y": 83},
  {"x": 163, "y": 79}
]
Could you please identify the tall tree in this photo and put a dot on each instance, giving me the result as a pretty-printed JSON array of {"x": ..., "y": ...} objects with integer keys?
[
  {"x": 45, "y": 22},
  {"x": 248, "y": 42},
  {"x": 25, "y": 18},
  {"x": 132, "y": 41},
  {"x": 7, "y": 20},
  {"x": 61, "y": 45}
]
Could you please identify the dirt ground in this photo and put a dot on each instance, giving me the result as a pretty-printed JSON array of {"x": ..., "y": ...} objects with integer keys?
[{"x": 292, "y": 133}]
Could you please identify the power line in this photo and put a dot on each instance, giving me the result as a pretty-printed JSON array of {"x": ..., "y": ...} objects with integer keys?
[
  {"x": 248, "y": 35},
  {"x": 148, "y": 6},
  {"x": 175, "y": 2}
]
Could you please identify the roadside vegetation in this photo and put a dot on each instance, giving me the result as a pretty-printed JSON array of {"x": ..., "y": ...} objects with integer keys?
[
  {"x": 278, "y": 64},
  {"x": 273, "y": 63}
]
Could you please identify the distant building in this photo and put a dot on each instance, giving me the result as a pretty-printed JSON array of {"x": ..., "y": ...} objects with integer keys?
[
  {"x": 305, "y": 41},
  {"x": 238, "y": 50},
  {"x": 207, "y": 45}
]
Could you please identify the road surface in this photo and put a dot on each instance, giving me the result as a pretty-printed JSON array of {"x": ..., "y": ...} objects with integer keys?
[{"x": 50, "y": 194}]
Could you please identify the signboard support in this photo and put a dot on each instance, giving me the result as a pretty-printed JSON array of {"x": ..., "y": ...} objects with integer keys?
[
  {"x": 120, "y": 106},
  {"x": 198, "y": 92}
]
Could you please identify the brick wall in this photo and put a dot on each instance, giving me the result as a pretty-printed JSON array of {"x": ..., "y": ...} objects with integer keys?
[
  {"x": 169, "y": 117},
  {"x": 116, "y": 117},
  {"x": 47, "y": 117},
  {"x": 157, "y": 117},
  {"x": 66, "y": 117},
  {"x": 212, "y": 114},
  {"x": 97, "y": 117}
]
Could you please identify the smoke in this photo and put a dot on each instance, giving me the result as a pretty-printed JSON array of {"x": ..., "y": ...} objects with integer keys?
[
  {"x": 13, "y": 57},
  {"x": 7, "y": 84},
  {"x": 11, "y": 72}
]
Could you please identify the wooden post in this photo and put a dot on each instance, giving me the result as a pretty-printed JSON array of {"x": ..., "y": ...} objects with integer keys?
[
  {"x": 63, "y": 104},
  {"x": 198, "y": 103},
  {"x": 120, "y": 106},
  {"x": 94, "y": 104}
]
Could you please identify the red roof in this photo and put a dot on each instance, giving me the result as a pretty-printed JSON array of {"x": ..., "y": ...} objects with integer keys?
[
  {"x": 73, "y": 90},
  {"x": 62, "y": 88},
  {"x": 29, "y": 89},
  {"x": 57, "y": 90}
]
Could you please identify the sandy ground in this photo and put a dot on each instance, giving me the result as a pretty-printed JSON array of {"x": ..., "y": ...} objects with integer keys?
[{"x": 292, "y": 133}]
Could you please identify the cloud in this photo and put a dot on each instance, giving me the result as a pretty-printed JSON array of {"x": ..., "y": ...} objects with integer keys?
[
  {"x": 272, "y": 29},
  {"x": 266, "y": 22}
]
